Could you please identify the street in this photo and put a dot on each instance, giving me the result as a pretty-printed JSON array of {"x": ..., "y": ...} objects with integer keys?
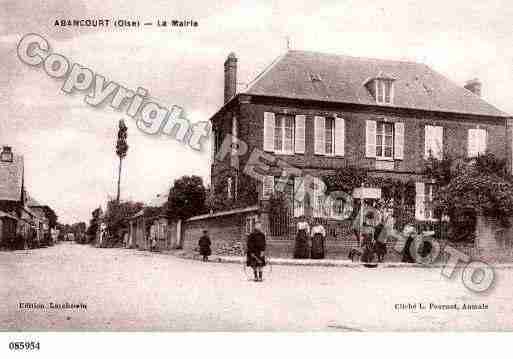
[{"x": 131, "y": 290}]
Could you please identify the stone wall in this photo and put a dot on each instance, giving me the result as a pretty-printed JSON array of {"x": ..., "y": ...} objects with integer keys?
[
  {"x": 224, "y": 231},
  {"x": 494, "y": 240}
]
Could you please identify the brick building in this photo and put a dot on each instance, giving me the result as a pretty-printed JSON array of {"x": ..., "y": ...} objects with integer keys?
[{"x": 309, "y": 114}]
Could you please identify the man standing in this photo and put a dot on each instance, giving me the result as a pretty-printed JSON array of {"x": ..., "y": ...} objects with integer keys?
[
  {"x": 204, "y": 246},
  {"x": 255, "y": 251}
]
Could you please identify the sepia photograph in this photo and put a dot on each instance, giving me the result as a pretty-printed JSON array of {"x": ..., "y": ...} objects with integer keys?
[{"x": 263, "y": 167}]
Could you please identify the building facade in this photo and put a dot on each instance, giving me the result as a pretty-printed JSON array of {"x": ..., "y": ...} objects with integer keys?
[{"x": 309, "y": 114}]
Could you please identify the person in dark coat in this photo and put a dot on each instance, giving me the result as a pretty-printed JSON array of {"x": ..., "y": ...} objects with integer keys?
[
  {"x": 318, "y": 242},
  {"x": 204, "y": 246},
  {"x": 409, "y": 233},
  {"x": 367, "y": 247},
  {"x": 380, "y": 247},
  {"x": 255, "y": 251},
  {"x": 302, "y": 245}
]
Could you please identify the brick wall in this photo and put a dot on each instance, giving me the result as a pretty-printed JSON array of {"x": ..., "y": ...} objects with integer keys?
[
  {"x": 223, "y": 231},
  {"x": 250, "y": 113}
]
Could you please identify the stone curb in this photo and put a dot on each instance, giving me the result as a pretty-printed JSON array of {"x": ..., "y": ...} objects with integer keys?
[{"x": 318, "y": 262}]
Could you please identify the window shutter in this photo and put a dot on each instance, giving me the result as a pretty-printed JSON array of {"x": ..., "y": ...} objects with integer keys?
[
  {"x": 234, "y": 127},
  {"x": 212, "y": 146},
  {"x": 370, "y": 138},
  {"x": 419, "y": 201},
  {"x": 472, "y": 143},
  {"x": 269, "y": 131},
  {"x": 299, "y": 205},
  {"x": 320, "y": 135},
  {"x": 229, "y": 188},
  {"x": 439, "y": 141},
  {"x": 300, "y": 134},
  {"x": 234, "y": 162},
  {"x": 427, "y": 141},
  {"x": 399, "y": 140},
  {"x": 340, "y": 134},
  {"x": 483, "y": 141},
  {"x": 267, "y": 187}
]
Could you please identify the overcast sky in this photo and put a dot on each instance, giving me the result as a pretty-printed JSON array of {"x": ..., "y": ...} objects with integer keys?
[{"x": 68, "y": 146}]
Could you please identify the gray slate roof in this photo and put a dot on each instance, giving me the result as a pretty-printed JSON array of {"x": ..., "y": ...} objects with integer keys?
[{"x": 343, "y": 78}]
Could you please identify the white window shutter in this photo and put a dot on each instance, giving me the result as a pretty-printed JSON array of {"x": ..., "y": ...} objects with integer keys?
[
  {"x": 269, "y": 131},
  {"x": 299, "y": 205},
  {"x": 300, "y": 134},
  {"x": 234, "y": 127},
  {"x": 320, "y": 134},
  {"x": 234, "y": 159},
  {"x": 267, "y": 187},
  {"x": 212, "y": 146},
  {"x": 427, "y": 141},
  {"x": 420, "y": 211},
  {"x": 399, "y": 140},
  {"x": 229, "y": 187},
  {"x": 340, "y": 134},
  {"x": 472, "y": 143},
  {"x": 370, "y": 138},
  {"x": 483, "y": 141},
  {"x": 439, "y": 141}
]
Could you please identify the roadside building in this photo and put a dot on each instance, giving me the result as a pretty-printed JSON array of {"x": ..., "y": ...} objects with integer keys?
[
  {"x": 148, "y": 224},
  {"x": 310, "y": 114},
  {"x": 15, "y": 218}
]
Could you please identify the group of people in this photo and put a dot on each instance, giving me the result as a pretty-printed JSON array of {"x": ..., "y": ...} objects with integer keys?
[
  {"x": 374, "y": 235},
  {"x": 310, "y": 243}
]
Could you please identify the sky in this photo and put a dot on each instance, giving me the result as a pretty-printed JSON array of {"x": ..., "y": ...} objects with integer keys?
[{"x": 68, "y": 146}]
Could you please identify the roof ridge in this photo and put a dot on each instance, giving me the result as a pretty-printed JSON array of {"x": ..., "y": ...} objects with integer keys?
[{"x": 358, "y": 57}]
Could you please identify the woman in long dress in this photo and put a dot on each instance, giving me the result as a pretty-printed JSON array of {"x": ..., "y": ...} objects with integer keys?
[
  {"x": 318, "y": 242},
  {"x": 302, "y": 244}
]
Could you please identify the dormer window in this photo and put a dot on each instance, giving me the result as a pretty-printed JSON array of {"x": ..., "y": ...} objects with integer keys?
[
  {"x": 381, "y": 88},
  {"x": 6, "y": 155},
  {"x": 384, "y": 91}
]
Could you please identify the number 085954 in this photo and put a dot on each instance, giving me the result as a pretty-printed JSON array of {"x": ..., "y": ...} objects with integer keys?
[{"x": 26, "y": 346}]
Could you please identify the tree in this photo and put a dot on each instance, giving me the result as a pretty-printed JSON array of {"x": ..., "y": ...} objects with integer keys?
[
  {"x": 117, "y": 214},
  {"x": 121, "y": 150},
  {"x": 479, "y": 186},
  {"x": 186, "y": 198},
  {"x": 52, "y": 217},
  {"x": 94, "y": 223}
]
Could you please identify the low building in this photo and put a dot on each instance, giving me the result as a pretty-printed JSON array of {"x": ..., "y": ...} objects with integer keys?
[{"x": 149, "y": 223}]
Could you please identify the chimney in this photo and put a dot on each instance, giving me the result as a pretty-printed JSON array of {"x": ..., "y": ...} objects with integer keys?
[
  {"x": 474, "y": 86},
  {"x": 230, "y": 77},
  {"x": 6, "y": 155}
]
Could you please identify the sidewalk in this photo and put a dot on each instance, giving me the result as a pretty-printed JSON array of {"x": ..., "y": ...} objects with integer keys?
[{"x": 316, "y": 262}]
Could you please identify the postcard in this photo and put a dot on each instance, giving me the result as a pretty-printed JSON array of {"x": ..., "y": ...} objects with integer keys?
[{"x": 182, "y": 166}]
